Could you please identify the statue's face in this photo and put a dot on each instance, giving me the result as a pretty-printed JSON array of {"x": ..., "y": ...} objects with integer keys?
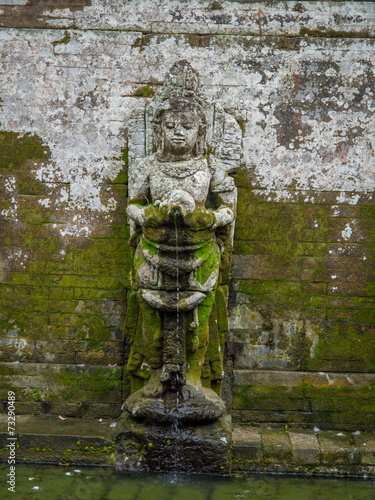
[{"x": 180, "y": 132}]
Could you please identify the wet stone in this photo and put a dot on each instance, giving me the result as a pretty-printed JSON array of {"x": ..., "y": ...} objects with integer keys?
[
  {"x": 148, "y": 446},
  {"x": 171, "y": 408}
]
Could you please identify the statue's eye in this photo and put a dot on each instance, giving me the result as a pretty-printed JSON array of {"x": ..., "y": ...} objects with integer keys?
[
  {"x": 169, "y": 124},
  {"x": 187, "y": 125}
]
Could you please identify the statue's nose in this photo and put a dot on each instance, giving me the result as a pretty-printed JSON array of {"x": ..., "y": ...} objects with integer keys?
[{"x": 179, "y": 130}]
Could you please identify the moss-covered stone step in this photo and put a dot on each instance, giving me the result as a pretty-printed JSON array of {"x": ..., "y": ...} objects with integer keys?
[
  {"x": 303, "y": 451},
  {"x": 49, "y": 439},
  {"x": 78, "y": 441}
]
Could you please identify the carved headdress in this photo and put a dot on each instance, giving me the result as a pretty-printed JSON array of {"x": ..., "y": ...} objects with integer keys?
[{"x": 181, "y": 92}]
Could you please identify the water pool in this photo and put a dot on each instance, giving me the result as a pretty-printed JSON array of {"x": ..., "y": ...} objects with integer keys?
[{"x": 91, "y": 483}]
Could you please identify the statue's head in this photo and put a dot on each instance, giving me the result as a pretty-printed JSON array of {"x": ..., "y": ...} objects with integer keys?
[
  {"x": 180, "y": 123},
  {"x": 180, "y": 127}
]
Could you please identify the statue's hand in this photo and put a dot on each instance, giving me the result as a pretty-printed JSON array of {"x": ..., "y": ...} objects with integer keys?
[
  {"x": 201, "y": 218},
  {"x": 155, "y": 216},
  {"x": 136, "y": 213},
  {"x": 179, "y": 201}
]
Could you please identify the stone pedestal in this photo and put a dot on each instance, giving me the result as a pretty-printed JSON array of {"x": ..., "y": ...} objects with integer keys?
[{"x": 148, "y": 446}]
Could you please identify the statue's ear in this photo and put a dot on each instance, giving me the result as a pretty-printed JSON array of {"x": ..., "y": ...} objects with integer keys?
[{"x": 200, "y": 147}]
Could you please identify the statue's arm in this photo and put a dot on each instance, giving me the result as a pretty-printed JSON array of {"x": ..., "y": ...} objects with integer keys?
[
  {"x": 139, "y": 195},
  {"x": 141, "y": 208},
  {"x": 223, "y": 216},
  {"x": 226, "y": 194}
]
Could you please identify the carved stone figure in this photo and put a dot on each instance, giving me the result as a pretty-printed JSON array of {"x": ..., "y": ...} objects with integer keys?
[{"x": 182, "y": 206}]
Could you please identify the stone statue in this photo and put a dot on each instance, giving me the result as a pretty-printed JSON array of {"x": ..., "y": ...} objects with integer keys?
[{"x": 182, "y": 206}]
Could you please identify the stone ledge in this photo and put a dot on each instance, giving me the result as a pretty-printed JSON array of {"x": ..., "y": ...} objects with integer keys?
[
  {"x": 301, "y": 451},
  {"x": 298, "y": 378},
  {"x": 292, "y": 18},
  {"x": 48, "y": 439}
]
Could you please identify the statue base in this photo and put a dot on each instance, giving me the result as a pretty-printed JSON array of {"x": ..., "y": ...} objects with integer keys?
[
  {"x": 175, "y": 447},
  {"x": 170, "y": 408}
]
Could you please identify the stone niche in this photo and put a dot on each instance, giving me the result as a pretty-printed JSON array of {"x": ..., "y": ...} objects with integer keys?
[{"x": 291, "y": 86}]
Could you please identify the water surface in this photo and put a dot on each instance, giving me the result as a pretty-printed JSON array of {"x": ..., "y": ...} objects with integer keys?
[{"x": 81, "y": 483}]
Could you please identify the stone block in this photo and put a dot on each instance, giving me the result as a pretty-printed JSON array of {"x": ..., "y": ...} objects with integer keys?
[
  {"x": 365, "y": 443},
  {"x": 336, "y": 448},
  {"x": 268, "y": 378},
  {"x": 260, "y": 417},
  {"x": 305, "y": 447},
  {"x": 276, "y": 446},
  {"x": 313, "y": 288},
  {"x": 246, "y": 447}
]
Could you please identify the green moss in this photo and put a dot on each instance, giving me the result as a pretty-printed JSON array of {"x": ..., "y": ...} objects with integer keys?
[
  {"x": 34, "y": 216},
  {"x": 269, "y": 287},
  {"x": 345, "y": 343},
  {"x": 208, "y": 152},
  {"x": 242, "y": 125},
  {"x": 142, "y": 41},
  {"x": 144, "y": 92},
  {"x": 35, "y": 391},
  {"x": 47, "y": 283},
  {"x": 64, "y": 40},
  {"x": 29, "y": 187},
  {"x": 241, "y": 179},
  {"x": 5, "y": 205},
  {"x": 324, "y": 33},
  {"x": 122, "y": 176},
  {"x": 17, "y": 148},
  {"x": 101, "y": 382},
  {"x": 215, "y": 5}
]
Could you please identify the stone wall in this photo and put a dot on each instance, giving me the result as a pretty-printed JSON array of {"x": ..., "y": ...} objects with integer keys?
[{"x": 299, "y": 78}]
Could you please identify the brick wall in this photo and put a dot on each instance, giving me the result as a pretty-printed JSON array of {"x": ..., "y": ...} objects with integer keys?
[
  {"x": 62, "y": 300},
  {"x": 299, "y": 78},
  {"x": 302, "y": 299}
]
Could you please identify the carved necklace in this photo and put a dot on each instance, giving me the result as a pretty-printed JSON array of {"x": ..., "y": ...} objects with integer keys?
[{"x": 182, "y": 169}]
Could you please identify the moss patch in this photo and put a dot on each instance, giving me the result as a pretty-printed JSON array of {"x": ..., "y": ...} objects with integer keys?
[
  {"x": 16, "y": 149},
  {"x": 144, "y": 92},
  {"x": 323, "y": 33}
]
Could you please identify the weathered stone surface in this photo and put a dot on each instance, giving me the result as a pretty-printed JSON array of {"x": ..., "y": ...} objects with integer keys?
[
  {"x": 252, "y": 18},
  {"x": 336, "y": 448},
  {"x": 174, "y": 448},
  {"x": 305, "y": 447},
  {"x": 246, "y": 446},
  {"x": 276, "y": 447},
  {"x": 365, "y": 443},
  {"x": 302, "y": 293},
  {"x": 172, "y": 408},
  {"x": 49, "y": 439},
  {"x": 93, "y": 442},
  {"x": 304, "y": 399},
  {"x": 70, "y": 390},
  {"x": 310, "y": 455}
]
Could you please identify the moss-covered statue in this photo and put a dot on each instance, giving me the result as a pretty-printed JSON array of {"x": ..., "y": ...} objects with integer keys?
[{"x": 182, "y": 207}]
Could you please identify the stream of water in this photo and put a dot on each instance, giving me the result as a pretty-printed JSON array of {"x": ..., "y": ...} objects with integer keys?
[{"x": 90, "y": 483}]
